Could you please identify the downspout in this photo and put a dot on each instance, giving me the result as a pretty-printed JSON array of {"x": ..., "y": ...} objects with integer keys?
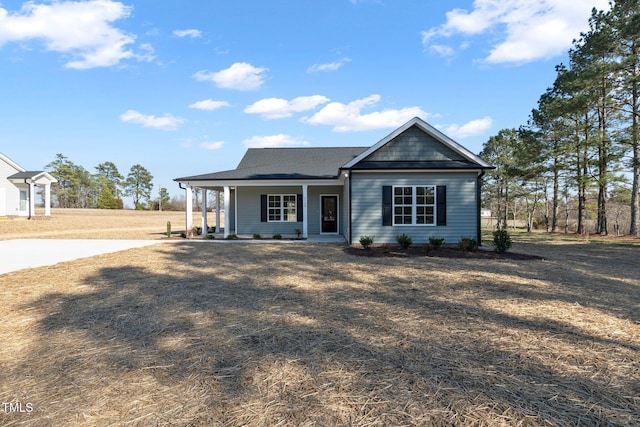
[
  {"x": 479, "y": 206},
  {"x": 29, "y": 193},
  {"x": 350, "y": 177}
]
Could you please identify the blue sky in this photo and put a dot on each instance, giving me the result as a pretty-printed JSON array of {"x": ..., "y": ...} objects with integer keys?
[{"x": 184, "y": 88}]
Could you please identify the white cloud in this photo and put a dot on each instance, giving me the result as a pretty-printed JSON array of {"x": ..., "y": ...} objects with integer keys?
[
  {"x": 278, "y": 108},
  {"x": 212, "y": 145},
  {"x": 534, "y": 29},
  {"x": 240, "y": 76},
  {"x": 273, "y": 141},
  {"x": 193, "y": 33},
  {"x": 348, "y": 117},
  {"x": 82, "y": 30},
  {"x": 166, "y": 122},
  {"x": 209, "y": 105},
  {"x": 332, "y": 66},
  {"x": 472, "y": 128}
]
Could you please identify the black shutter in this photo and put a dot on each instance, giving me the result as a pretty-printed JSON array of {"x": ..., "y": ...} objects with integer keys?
[
  {"x": 263, "y": 208},
  {"x": 299, "y": 211},
  {"x": 441, "y": 201},
  {"x": 387, "y": 205}
]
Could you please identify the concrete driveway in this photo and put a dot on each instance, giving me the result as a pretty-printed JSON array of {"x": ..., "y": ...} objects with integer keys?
[{"x": 29, "y": 253}]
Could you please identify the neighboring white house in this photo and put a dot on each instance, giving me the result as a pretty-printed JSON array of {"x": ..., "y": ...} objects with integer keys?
[{"x": 18, "y": 189}]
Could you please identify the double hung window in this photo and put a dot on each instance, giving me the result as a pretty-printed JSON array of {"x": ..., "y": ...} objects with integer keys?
[
  {"x": 414, "y": 205},
  {"x": 281, "y": 207}
]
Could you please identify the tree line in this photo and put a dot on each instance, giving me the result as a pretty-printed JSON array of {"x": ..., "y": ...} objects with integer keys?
[
  {"x": 104, "y": 189},
  {"x": 577, "y": 159}
]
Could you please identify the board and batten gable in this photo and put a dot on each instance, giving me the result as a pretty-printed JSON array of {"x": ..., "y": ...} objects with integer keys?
[
  {"x": 461, "y": 205},
  {"x": 414, "y": 145}
]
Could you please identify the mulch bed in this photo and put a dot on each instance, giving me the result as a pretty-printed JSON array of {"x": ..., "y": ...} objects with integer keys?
[{"x": 443, "y": 252}]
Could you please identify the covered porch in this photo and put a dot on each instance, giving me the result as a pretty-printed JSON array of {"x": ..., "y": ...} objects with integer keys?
[
  {"x": 314, "y": 211},
  {"x": 26, "y": 182}
]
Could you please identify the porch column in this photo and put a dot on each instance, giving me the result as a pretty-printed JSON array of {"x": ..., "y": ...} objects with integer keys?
[
  {"x": 32, "y": 200},
  {"x": 204, "y": 212},
  {"x": 305, "y": 221},
  {"x": 227, "y": 210},
  {"x": 188, "y": 198},
  {"x": 47, "y": 200},
  {"x": 217, "y": 211}
]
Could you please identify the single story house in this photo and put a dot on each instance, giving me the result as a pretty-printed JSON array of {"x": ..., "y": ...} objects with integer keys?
[
  {"x": 17, "y": 189},
  {"x": 416, "y": 180}
]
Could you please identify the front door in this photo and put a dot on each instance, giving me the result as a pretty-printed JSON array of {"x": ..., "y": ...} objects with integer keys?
[{"x": 329, "y": 208}]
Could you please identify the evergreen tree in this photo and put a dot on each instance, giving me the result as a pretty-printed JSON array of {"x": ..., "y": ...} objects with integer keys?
[{"x": 138, "y": 185}]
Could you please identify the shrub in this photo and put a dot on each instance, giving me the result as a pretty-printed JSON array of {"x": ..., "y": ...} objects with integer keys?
[
  {"x": 366, "y": 241},
  {"x": 277, "y": 236},
  {"x": 404, "y": 241},
  {"x": 436, "y": 242},
  {"x": 231, "y": 237},
  {"x": 168, "y": 228},
  {"x": 298, "y": 232},
  {"x": 501, "y": 240},
  {"x": 428, "y": 247},
  {"x": 257, "y": 236},
  {"x": 209, "y": 237},
  {"x": 467, "y": 244}
]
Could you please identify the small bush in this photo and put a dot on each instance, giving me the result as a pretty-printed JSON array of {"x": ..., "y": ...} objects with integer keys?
[
  {"x": 209, "y": 237},
  {"x": 298, "y": 232},
  {"x": 467, "y": 244},
  {"x": 501, "y": 240},
  {"x": 168, "y": 228},
  {"x": 366, "y": 241},
  {"x": 404, "y": 241},
  {"x": 257, "y": 236},
  {"x": 277, "y": 236},
  {"x": 428, "y": 247},
  {"x": 231, "y": 237},
  {"x": 436, "y": 242}
]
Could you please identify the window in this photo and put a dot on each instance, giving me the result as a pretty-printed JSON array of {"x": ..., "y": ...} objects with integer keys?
[
  {"x": 414, "y": 205},
  {"x": 281, "y": 208},
  {"x": 23, "y": 200}
]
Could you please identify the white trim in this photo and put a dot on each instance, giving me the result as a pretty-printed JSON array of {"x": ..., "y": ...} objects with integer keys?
[
  {"x": 12, "y": 163},
  {"x": 227, "y": 211},
  {"x": 263, "y": 183},
  {"x": 337, "y": 196},
  {"x": 428, "y": 129},
  {"x": 282, "y": 206},
  {"x": 414, "y": 206},
  {"x": 407, "y": 171}
]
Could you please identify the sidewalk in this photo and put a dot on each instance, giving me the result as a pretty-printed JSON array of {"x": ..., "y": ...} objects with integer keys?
[{"x": 30, "y": 253}]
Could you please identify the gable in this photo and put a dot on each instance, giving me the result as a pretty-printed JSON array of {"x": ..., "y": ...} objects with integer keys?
[{"x": 414, "y": 145}]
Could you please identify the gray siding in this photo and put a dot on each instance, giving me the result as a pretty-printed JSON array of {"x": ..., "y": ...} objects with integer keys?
[
  {"x": 366, "y": 206},
  {"x": 249, "y": 210},
  {"x": 414, "y": 145}
]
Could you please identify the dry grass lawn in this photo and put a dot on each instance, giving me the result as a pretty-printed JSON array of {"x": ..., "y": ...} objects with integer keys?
[{"x": 197, "y": 333}]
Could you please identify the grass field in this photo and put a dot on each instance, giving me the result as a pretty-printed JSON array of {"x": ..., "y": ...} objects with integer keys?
[{"x": 195, "y": 333}]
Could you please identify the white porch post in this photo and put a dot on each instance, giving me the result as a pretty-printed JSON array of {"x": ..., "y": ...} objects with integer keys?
[
  {"x": 217, "y": 211},
  {"x": 188, "y": 198},
  {"x": 305, "y": 221},
  {"x": 227, "y": 210},
  {"x": 47, "y": 200},
  {"x": 204, "y": 211},
  {"x": 32, "y": 200}
]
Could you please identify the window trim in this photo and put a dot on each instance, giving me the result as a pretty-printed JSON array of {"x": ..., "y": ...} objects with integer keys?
[
  {"x": 414, "y": 205},
  {"x": 282, "y": 209}
]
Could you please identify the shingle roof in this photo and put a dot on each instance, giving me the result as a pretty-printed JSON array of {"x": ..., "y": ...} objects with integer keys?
[
  {"x": 24, "y": 175},
  {"x": 286, "y": 163}
]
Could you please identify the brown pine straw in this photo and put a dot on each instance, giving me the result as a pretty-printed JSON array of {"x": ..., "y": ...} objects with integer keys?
[{"x": 205, "y": 333}]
